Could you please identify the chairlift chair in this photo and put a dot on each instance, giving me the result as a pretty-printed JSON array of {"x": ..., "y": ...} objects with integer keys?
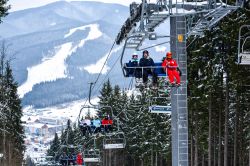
[
  {"x": 114, "y": 141},
  {"x": 92, "y": 156},
  {"x": 97, "y": 108},
  {"x": 244, "y": 47},
  {"x": 72, "y": 149}
]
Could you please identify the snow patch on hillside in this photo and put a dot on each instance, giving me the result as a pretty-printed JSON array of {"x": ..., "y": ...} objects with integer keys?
[
  {"x": 95, "y": 32},
  {"x": 49, "y": 70},
  {"x": 53, "y": 24},
  {"x": 96, "y": 68},
  {"x": 53, "y": 68}
]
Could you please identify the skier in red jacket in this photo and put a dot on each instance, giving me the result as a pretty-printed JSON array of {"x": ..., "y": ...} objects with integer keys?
[
  {"x": 170, "y": 66},
  {"x": 79, "y": 159}
]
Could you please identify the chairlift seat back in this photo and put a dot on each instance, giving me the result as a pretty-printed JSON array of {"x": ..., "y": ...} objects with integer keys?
[
  {"x": 129, "y": 72},
  {"x": 245, "y": 58}
]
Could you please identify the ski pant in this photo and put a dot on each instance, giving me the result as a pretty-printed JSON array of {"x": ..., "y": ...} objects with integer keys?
[
  {"x": 173, "y": 74},
  {"x": 145, "y": 74}
]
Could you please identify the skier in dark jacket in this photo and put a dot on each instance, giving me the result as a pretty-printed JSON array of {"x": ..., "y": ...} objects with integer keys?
[
  {"x": 148, "y": 64},
  {"x": 134, "y": 63}
]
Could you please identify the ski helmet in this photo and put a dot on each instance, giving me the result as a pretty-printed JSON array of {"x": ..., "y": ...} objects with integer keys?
[
  {"x": 169, "y": 55},
  {"x": 135, "y": 55}
]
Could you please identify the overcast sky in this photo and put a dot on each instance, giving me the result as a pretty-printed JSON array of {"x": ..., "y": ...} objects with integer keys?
[{"x": 24, "y": 4}]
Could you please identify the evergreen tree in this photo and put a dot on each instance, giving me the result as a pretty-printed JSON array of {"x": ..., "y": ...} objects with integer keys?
[
  {"x": 216, "y": 96},
  {"x": 12, "y": 134},
  {"x": 3, "y": 8},
  {"x": 54, "y": 147},
  {"x": 67, "y": 137},
  {"x": 105, "y": 99},
  {"x": 148, "y": 134}
]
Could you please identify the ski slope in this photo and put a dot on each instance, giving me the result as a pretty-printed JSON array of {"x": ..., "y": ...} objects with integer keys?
[{"x": 53, "y": 68}]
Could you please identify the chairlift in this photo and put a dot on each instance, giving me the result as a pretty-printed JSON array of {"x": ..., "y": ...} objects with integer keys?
[
  {"x": 92, "y": 154},
  {"x": 88, "y": 129},
  {"x": 111, "y": 139},
  {"x": 244, "y": 47},
  {"x": 71, "y": 150},
  {"x": 127, "y": 68},
  {"x": 45, "y": 161},
  {"x": 164, "y": 107},
  {"x": 114, "y": 141}
]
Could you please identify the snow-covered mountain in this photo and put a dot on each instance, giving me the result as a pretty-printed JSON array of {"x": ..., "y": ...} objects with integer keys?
[{"x": 59, "y": 48}]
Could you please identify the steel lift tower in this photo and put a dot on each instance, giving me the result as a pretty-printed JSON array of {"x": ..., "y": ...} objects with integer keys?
[{"x": 186, "y": 19}]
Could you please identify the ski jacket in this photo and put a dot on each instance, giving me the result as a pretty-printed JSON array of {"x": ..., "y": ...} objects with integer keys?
[
  {"x": 133, "y": 64},
  {"x": 105, "y": 122},
  {"x": 79, "y": 159},
  {"x": 144, "y": 62},
  {"x": 170, "y": 64},
  {"x": 97, "y": 123},
  {"x": 110, "y": 122},
  {"x": 87, "y": 122}
]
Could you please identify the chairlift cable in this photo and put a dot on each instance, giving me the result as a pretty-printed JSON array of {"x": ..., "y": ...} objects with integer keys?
[
  {"x": 99, "y": 74},
  {"x": 104, "y": 79},
  {"x": 131, "y": 84},
  {"x": 103, "y": 65}
]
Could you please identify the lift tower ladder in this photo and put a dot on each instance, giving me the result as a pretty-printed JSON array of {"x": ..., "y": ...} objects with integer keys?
[{"x": 179, "y": 118}]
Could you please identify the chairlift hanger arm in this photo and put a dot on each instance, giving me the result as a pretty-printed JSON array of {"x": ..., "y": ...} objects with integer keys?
[
  {"x": 239, "y": 41},
  {"x": 242, "y": 48},
  {"x": 90, "y": 91}
]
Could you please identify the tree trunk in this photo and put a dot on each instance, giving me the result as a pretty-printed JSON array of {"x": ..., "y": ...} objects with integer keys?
[
  {"x": 214, "y": 143},
  {"x": 249, "y": 155},
  {"x": 236, "y": 131},
  {"x": 192, "y": 140},
  {"x": 210, "y": 131},
  {"x": 152, "y": 157},
  {"x": 203, "y": 160},
  {"x": 156, "y": 159},
  {"x": 4, "y": 150},
  {"x": 226, "y": 124},
  {"x": 220, "y": 122},
  {"x": 196, "y": 163},
  {"x": 142, "y": 162},
  {"x": 192, "y": 151},
  {"x": 9, "y": 156}
]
